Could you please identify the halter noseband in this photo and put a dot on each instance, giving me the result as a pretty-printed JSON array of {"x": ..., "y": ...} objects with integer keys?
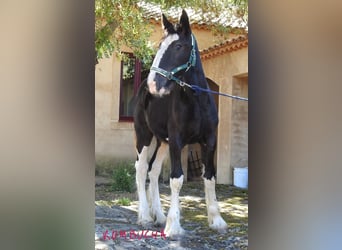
[{"x": 170, "y": 75}]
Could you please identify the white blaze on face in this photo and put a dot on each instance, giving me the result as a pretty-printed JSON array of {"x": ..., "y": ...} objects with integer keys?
[{"x": 163, "y": 47}]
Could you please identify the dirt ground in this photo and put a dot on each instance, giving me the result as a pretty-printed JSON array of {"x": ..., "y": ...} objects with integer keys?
[{"x": 116, "y": 228}]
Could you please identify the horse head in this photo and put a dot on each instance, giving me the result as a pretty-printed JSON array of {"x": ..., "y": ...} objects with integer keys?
[{"x": 175, "y": 56}]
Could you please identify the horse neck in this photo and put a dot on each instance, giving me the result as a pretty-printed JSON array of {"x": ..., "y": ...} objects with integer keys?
[{"x": 196, "y": 74}]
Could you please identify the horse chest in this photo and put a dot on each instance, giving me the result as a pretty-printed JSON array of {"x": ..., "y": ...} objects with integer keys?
[{"x": 174, "y": 115}]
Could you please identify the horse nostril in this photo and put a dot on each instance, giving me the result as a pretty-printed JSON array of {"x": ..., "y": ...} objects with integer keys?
[{"x": 152, "y": 87}]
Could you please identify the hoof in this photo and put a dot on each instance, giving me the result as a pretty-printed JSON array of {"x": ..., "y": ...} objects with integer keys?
[
  {"x": 175, "y": 232},
  {"x": 177, "y": 235},
  {"x": 159, "y": 224},
  {"x": 222, "y": 230},
  {"x": 146, "y": 223},
  {"x": 219, "y": 225},
  {"x": 160, "y": 220}
]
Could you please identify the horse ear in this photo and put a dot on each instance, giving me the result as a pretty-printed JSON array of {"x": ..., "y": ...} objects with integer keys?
[
  {"x": 166, "y": 25},
  {"x": 184, "y": 23}
]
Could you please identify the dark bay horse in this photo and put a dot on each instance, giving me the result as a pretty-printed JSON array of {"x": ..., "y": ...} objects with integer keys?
[{"x": 168, "y": 116}]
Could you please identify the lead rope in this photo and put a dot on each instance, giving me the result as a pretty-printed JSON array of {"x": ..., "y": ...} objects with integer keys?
[{"x": 198, "y": 89}]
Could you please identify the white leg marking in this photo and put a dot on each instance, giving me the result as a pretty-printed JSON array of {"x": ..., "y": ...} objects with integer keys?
[
  {"x": 141, "y": 166},
  {"x": 173, "y": 227},
  {"x": 214, "y": 218},
  {"x": 156, "y": 208}
]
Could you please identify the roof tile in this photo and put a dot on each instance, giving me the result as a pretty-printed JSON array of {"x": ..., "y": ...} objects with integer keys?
[{"x": 225, "y": 46}]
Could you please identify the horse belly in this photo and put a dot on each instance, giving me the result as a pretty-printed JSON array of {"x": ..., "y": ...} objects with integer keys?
[
  {"x": 160, "y": 131},
  {"x": 191, "y": 133}
]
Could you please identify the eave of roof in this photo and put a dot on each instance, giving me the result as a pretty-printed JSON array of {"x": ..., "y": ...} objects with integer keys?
[{"x": 225, "y": 47}]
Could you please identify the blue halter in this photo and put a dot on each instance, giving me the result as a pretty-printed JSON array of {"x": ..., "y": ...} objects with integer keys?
[{"x": 170, "y": 75}]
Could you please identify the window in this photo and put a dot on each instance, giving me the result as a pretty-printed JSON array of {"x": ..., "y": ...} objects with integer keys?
[{"x": 133, "y": 72}]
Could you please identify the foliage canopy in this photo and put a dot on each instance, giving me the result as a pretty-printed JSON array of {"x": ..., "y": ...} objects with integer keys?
[{"x": 121, "y": 23}]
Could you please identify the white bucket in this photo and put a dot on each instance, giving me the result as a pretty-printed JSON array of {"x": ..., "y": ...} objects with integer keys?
[{"x": 241, "y": 177}]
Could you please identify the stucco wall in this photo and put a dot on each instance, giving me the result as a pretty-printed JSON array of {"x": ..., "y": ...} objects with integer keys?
[
  {"x": 222, "y": 69},
  {"x": 113, "y": 139},
  {"x": 239, "y": 138}
]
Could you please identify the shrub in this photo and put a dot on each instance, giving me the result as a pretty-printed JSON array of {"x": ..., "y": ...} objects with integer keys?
[
  {"x": 124, "y": 201},
  {"x": 124, "y": 177}
]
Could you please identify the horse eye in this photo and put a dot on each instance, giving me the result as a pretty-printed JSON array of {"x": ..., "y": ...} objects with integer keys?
[{"x": 178, "y": 46}]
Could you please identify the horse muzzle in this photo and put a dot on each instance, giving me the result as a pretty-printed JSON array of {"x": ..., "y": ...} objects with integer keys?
[
  {"x": 152, "y": 88},
  {"x": 159, "y": 86}
]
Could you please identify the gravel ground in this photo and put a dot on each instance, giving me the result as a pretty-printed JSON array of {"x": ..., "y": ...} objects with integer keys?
[{"x": 116, "y": 228}]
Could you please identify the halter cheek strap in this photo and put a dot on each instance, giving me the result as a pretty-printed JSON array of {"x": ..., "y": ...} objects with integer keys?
[{"x": 170, "y": 75}]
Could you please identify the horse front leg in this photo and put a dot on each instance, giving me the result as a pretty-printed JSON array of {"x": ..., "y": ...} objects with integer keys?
[
  {"x": 215, "y": 220},
  {"x": 156, "y": 208},
  {"x": 173, "y": 227},
  {"x": 141, "y": 166}
]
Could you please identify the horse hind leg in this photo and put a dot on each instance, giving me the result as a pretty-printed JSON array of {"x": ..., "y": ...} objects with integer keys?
[
  {"x": 156, "y": 210},
  {"x": 215, "y": 220},
  {"x": 141, "y": 166}
]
